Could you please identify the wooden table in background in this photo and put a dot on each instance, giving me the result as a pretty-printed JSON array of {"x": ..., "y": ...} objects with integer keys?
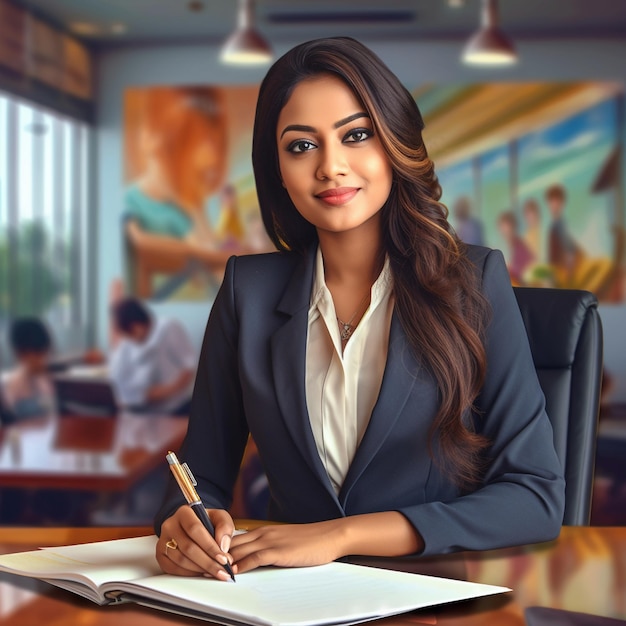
[
  {"x": 584, "y": 570},
  {"x": 87, "y": 453}
]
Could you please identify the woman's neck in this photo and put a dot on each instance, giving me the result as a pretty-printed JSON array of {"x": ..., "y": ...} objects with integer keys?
[
  {"x": 352, "y": 259},
  {"x": 155, "y": 183}
]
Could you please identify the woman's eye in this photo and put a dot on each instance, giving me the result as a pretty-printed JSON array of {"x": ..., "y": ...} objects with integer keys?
[
  {"x": 357, "y": 135},
  {"x": 301, "y": 146}
]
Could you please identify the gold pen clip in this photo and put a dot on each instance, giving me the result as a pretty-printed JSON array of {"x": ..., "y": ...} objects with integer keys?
[{"x": 185, "y": 479}]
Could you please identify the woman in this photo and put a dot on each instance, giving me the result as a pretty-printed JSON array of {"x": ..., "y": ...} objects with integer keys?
[
  {"x": 533, "y": 236},
  {"x": 520, "y": 255},
  {"x": 28, "y": 389},
  {"x": 380, "y": 365}
]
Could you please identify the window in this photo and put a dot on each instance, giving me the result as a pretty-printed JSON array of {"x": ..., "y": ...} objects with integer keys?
[{"x": 44, "y": 264}]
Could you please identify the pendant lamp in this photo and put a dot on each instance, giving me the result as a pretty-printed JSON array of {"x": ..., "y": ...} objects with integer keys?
[
  {"x": 489, "y": 45},
  {"x": 246, "y": 46}
]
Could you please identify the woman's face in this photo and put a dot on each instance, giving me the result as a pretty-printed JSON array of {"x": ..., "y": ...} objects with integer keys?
[
  {"x": 205, "y": 164},
  {"x": 331, "y": 163},
  {"x": 531, "y": 214},
  {"x": 507, "y": 230}
]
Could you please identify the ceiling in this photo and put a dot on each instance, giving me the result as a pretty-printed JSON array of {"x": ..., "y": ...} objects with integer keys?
[
  {"x": 150, "y": 21},
  {"x": 465, "y": 120}
]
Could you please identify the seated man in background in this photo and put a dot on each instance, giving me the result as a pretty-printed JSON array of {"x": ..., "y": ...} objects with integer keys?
[
  {"x": 27, "y": 389},
  {"x": 153, "y": 366}
]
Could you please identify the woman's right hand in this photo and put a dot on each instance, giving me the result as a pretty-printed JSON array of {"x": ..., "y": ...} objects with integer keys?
[{"x": 196, "y": 552}]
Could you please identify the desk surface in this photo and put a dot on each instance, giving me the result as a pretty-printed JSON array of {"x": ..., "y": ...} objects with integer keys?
[
  {"x": 584, "y": 570},
  {"x": 88, "y": 453}
]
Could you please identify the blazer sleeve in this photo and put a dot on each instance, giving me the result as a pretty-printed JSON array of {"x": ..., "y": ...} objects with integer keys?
[
  {"x": 218, "y": 430},
  {"x": 522, "y": 496}
]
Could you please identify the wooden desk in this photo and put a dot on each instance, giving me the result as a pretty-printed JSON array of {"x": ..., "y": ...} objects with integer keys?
[
  {"x": 86, "y": 453},
  {"x": 585, "y": 570}
]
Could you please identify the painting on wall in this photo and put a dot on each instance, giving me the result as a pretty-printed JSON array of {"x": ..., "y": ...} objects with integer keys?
[
  {"x": 190, "y": 201},
  {"x": 535, "y": 170}
]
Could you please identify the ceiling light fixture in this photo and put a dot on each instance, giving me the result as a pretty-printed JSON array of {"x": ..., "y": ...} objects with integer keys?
[
  {"x": 489, "y": 45},
  {"x": 246, "y": 46},
  {"x": 119, "y": 28},
  {"x": 85, "y": 29}
]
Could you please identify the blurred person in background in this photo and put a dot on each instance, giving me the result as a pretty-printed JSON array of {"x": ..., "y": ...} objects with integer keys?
[
  {"x": 519, "y": 255},
  {"x": 563, "y": 251},
  {"x": 533, "y": 237},
  {"x": 468, "y": 228},
  {"x": 6, "y": 417},
  {"x": 573, "y": 267},
  {"x": 27, "y": 389},
  {"x": 153, "y": 364}
]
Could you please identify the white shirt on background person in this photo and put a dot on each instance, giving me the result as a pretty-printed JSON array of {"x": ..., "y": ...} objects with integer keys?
[{"x": 135, "y": 367}]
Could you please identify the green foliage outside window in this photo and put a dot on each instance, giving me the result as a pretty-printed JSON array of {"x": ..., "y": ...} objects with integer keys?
[{"x": 33, "y": 270}]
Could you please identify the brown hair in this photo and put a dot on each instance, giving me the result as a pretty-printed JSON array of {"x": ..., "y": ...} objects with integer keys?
[
  {"x": 531, "y": 206},
  {"x": 556, "y": 192},
  {"x": 436, "y": 287},
  {"x": 509, "y": 217}
]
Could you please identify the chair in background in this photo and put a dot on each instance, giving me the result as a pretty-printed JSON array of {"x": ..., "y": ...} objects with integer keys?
[{"x": 565, "y": 335}]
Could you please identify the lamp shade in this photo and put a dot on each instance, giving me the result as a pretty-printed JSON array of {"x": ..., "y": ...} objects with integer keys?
[
  {"x": 246, "y": 46},
  {"x": 489, "y": 46}
]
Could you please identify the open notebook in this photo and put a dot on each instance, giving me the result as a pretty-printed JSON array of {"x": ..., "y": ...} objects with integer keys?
[{"x": 338, "y": 593}]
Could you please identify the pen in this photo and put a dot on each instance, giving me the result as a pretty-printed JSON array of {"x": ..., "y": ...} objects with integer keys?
[{"x": 187, "y": 483}]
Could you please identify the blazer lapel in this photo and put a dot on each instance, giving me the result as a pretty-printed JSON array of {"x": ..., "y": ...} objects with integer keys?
[
  {"x": 288, "y": 345},
  {"x": 399, "y": 378}
]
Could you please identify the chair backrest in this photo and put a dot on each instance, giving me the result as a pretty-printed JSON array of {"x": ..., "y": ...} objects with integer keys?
[{"x": 565, "y": 335}]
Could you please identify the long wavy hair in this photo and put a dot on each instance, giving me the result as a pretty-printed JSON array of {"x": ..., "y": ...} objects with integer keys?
[{"x": 436, "y": 287}]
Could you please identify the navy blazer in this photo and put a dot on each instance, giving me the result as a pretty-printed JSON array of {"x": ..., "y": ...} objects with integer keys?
[{"x": 251, "y": 379}]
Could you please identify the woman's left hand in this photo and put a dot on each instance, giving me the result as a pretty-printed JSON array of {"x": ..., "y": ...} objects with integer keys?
[{"x": 299, "y": 545}]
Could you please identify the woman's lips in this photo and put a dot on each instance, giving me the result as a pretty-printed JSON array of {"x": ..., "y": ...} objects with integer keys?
[{"x": 338, "y": 196}]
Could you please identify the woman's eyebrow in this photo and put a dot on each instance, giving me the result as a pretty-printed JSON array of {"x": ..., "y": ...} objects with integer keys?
[
  {"x": 350, "y": 118},
  {"x": 310, "y": 129},
  {"x": 299, "y": 127}
]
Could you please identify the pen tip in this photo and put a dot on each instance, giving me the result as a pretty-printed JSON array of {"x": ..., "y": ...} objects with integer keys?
[{"x": 229, "y": 570}]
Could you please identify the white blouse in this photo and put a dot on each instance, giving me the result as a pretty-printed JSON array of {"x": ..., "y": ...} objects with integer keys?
[{"x": 342, "y": 388}]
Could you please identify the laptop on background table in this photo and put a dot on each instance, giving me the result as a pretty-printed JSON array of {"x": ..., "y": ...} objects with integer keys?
[{"x": 85, "y": 397}]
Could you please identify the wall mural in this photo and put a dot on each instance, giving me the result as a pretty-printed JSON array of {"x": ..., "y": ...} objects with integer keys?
[
  {"x": 190, "y": 201},
  {"x": 533, "y": 169},
  {"x": 547, "y": 191}
]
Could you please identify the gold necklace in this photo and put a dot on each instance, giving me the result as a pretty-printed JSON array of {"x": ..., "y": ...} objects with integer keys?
[{"x": 347, "y": 328}]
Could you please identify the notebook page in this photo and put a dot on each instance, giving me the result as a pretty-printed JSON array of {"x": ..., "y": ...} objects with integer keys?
[
  {"x": 329, "y": 594},
  {"x": 91, "y": 564}
]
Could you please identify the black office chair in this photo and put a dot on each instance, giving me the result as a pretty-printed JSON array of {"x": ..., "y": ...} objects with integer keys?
[{"x": 565, "y": 335}]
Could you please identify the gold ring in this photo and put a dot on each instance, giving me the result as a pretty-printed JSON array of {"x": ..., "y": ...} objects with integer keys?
[{"x": 171, "y": 544}]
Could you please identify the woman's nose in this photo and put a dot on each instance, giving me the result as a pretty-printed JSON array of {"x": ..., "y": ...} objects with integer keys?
[{"x": 332, "y": 163}]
